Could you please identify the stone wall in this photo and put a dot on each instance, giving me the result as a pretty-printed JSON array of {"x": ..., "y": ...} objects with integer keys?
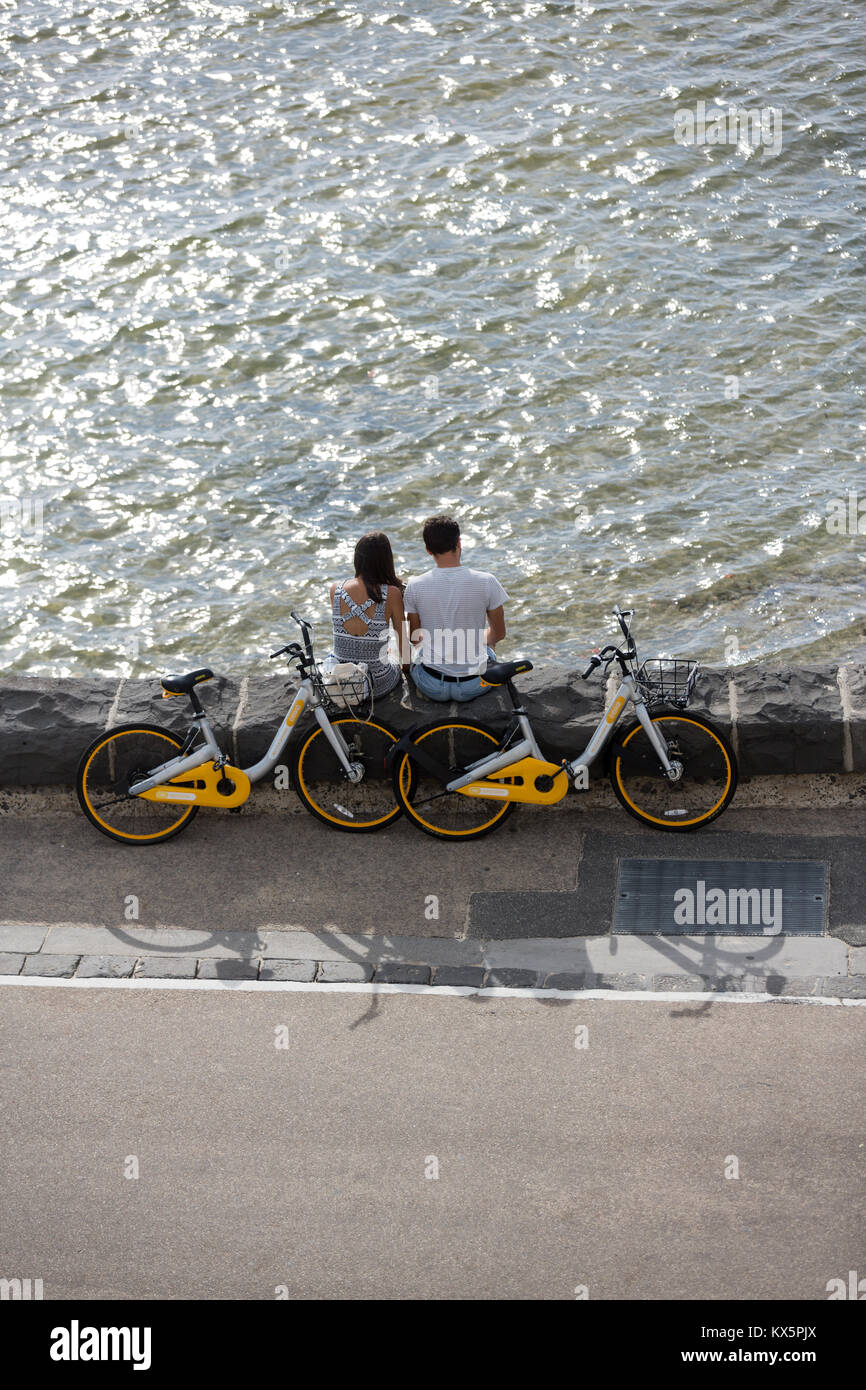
[{"x": 806, "y": 719}]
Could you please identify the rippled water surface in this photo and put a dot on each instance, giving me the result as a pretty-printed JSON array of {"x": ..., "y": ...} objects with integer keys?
[{"x": 273, "y": 275}]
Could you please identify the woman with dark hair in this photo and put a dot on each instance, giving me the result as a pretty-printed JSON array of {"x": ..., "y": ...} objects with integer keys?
[{"x": 364, "y": 607}]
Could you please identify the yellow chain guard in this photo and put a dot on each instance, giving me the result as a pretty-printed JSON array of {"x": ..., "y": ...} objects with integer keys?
[
  {"x": 199, "y": 788},
  {"x": 505, "y": 786}
]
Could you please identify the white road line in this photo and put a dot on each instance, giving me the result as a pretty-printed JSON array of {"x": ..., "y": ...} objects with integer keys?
[{"x": 642, "y": 996}]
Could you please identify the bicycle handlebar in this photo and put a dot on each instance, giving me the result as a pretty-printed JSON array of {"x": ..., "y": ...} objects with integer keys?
[
  {"x": 293, "y": 649},
  {"x": 306, "y": 629},
  {"x": 621, "y": 619},
  {"x": 611, "y": 652},
  {"x": 601, "y": 659}
]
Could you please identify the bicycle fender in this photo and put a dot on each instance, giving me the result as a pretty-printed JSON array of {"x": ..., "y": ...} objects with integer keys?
[
  {"x": 406, "y": 745},
  {"x": 401, "y": 745}
]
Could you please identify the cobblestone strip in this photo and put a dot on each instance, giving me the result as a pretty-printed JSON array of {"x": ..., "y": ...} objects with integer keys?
[{"x": 177, "y": 967}]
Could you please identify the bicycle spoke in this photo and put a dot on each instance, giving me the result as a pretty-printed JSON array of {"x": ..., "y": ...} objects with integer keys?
[
  {"x": 706, "y": 778},
  {"x": 327, "y": 791}
]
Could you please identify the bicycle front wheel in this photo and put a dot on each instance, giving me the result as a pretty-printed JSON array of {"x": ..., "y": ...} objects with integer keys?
[
  {"x": 707, "y": 773},
  {"x": 110, "y": 766},
  {"x": 455, "y": 745},
  {"x": 326, "y": 790}
]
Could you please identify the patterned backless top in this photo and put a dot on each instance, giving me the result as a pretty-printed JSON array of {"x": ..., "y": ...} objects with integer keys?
[{"x": 384, "y": 675}]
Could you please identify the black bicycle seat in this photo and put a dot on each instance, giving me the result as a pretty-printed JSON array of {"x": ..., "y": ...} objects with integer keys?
[
  {"x": 498, "y": 672},
  {"x": 182, "y": 685}
]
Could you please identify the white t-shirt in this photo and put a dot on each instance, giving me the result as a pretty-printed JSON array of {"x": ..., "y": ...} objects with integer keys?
[{"x": 452, "y": 603}]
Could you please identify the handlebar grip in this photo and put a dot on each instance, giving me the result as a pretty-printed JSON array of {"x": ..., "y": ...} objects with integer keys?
[{"x": 590, "y": 668}]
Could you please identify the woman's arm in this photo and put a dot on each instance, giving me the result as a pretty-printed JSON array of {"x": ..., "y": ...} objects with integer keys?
[{"x": 395, "y": 612}]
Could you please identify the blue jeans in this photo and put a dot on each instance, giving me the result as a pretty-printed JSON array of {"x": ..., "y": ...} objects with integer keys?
[{"x": 442, "y": 689}]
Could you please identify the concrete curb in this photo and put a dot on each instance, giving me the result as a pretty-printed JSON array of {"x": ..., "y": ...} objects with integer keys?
[
  {"x": 796, "y": 966},
  {"x": 808, "y": 719}
]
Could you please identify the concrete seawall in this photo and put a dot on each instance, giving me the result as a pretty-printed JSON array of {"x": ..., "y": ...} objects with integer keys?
[{"x": 806, "y": 719}]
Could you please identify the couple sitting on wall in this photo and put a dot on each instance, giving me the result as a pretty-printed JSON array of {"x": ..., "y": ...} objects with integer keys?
[{"x": 455, "y": 616}]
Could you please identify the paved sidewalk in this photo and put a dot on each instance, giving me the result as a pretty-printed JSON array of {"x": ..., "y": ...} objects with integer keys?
[{"x": 798, "y": 966}]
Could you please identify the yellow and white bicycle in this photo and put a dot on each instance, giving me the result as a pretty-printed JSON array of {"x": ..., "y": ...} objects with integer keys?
[
  {"x": 142, "y": 784},
  {"x": 458, "y": 780}
]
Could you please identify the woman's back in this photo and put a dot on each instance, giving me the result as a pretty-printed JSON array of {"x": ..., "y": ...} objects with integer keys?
[{"x": 361, "y": 632}]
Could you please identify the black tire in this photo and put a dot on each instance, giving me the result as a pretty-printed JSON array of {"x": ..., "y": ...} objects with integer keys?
[
  {"x": 323, "y": 788},
  {"x": 129, "y": 750},
  {"x": 706, "y": 788},
  {"x": 416, "y": 790}
]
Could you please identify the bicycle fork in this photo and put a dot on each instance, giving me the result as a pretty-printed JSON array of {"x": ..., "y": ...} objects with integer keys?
[{"x": 353, "y": 771}]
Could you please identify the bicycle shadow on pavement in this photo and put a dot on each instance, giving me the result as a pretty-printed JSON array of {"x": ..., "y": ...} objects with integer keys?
[{"x": 702, "y": 959}]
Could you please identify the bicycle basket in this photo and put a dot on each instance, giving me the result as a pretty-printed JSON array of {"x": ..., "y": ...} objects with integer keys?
[
  {"x": 667, "y": 681},
  {"x": 345, "y": 683}
]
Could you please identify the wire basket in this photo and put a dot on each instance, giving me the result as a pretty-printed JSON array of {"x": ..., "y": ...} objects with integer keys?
[
  {"x": 345, "y": 685},
  {"x": 667, "y": 680}
]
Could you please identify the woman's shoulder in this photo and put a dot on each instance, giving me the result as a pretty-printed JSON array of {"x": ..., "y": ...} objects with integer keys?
[{"x": 339, "y": 591}]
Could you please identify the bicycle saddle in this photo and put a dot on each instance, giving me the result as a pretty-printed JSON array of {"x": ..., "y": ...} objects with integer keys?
[
  {"x": 182, "y": 685},
  {"x": 498, "y": 672}
]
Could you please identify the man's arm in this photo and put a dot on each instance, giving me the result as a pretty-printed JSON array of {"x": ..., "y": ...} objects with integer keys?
[
  {"x": 414, "y": 621},
  {"x": 495, "y": 625}
]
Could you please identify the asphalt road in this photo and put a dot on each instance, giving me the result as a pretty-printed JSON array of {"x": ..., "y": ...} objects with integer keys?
[
  {"x": 304, "y": 1167},
  {"x": 283, "y": 869}
]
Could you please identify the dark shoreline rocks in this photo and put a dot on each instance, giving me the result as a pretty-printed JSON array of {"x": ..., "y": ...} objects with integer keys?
[{"x": 805, "y": 719}]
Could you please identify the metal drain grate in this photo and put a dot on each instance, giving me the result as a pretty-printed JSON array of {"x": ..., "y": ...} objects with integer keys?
[{"x": 719, "y": 897}]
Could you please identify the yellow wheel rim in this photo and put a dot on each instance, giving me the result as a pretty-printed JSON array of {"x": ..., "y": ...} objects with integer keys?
[
  {"x": 659, "y": 820},
  {"x": 112, "y": 830},
  {"x": 335, "y": 820},
  {"x": 405, "y": 774}
]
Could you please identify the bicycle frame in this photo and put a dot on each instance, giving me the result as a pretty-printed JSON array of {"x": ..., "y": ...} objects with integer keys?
[
  {"x": 210, "y": 750},
  {"x": 627, "y": 693},
  {"x": 578, "y": 768}
]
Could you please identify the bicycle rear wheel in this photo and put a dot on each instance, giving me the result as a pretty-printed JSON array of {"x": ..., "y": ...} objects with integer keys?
[
  {"x": 325, "y": 789},
  {"x": 704, "y": 789},
  {"x": 455, "y": 744},
  {"x": 107, "y": 770}
]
